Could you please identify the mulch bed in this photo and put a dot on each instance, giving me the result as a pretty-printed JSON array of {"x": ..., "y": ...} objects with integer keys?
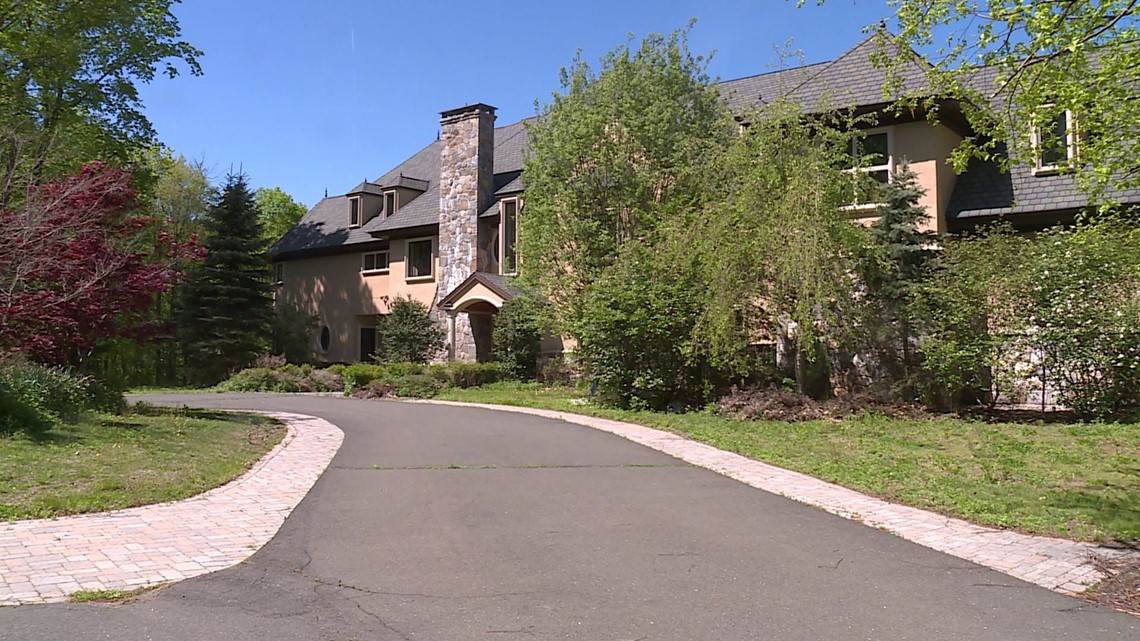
[
  {"x": 773, "y": 404},
  {"x": 1121, "y": 590}
]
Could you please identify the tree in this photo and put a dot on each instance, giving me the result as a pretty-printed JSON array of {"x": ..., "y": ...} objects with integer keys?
[
  {"x": 277, "y": 211},
  {"x": 611, "y": 157},
  {"x": 899, "y": 263},
  {"x": 68, "y": 76},
  {"x": 77, "y": 266},
  {"x": 1040, "y": 59},
  {"x": 517, "y": 337},
  {"x": 774, "y": 247},
  {"x": 225, "y": 307},
  {"x": 407, "y": 333}
]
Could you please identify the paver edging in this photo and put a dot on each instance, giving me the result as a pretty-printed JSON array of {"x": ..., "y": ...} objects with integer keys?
[
  {"x": 46, "y": 560},
  {"x": 1057, "y": 564}
]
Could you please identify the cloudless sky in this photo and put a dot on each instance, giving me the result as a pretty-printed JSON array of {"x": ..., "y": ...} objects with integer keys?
[{"x": 314, "y": 94}]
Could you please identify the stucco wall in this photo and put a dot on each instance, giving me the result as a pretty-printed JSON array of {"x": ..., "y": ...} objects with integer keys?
[
  {"x": 927, "y": 147},
  {"x": 333, "y": 289}
]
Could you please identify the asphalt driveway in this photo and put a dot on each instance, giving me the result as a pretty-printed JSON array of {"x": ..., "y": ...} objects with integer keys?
[{"x": 451, "y": 524}]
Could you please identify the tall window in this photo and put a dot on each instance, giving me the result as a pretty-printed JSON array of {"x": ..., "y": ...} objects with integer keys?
[
  {"x": 278, "y": 273},
  {"x": 374, "y": 262},
  {"x": 353, "y": 212},
  {"x": 871, "y": 166},
  {"x": 419, "y": 259},
  {"x": 390, "y": 203},
  {"x": 508, "y": 234},
  {"x": 1055, "y": 141}
]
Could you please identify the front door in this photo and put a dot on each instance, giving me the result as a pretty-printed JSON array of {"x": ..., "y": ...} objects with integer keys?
[{"x": 367, "y": 344}]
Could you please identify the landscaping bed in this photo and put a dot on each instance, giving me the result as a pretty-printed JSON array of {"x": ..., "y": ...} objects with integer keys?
[{"x": 145, "y": 455}]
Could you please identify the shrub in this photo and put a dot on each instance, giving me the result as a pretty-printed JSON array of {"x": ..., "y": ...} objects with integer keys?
[
  {"x": 403, "y": 369},
  {"x": 464, "y": 375},
  {"x": 557, "y": 371},
  {"x": 416, "y": 386},
  {"x": 37, "y": 397},
  {"x": 323, "y": 380},
  {"x": 408, "y": 333},
  {"x": 359, "y": 375},
  {"x": 262, "y": 379},
  {"x": 379, "y": 388},
  {"x": 517, "y": 336}
]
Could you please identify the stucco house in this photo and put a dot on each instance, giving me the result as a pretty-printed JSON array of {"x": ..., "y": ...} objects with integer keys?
[{"x": 441, "y": 227}]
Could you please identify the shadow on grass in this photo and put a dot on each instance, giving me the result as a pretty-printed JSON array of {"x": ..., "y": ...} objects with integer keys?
[{"x": 1116, "y": 513}]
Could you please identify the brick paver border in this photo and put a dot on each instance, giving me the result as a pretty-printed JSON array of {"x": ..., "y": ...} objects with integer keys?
[
  {"x": 1057, "y": 564},
  {"x": 46, "y": 560}
]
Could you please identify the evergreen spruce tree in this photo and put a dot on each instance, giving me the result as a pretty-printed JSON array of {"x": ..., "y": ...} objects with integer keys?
[
  {"x": 900, "y": 263},
  {"x": 226, "y": 309}
]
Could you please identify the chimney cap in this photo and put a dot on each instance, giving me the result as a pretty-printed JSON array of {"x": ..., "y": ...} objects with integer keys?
[{"x": 467, "y": 110}]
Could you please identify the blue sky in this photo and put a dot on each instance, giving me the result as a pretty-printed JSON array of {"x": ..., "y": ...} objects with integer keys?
[{"x": 310, "y": 95}]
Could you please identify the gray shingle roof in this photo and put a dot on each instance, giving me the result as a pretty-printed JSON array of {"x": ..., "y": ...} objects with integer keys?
[
  {"x": 853, "y": 80},
  {"x": 743, "y": 94}
]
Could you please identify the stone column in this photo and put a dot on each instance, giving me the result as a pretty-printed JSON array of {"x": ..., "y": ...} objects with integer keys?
[{"x": 466, "y": 174}]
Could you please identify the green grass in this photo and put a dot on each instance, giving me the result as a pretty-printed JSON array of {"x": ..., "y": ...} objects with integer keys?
[
  {"x": 170, "y": 390},
  {"x": 1077, "y": 481},
  {"x": 107, "y": 462}
]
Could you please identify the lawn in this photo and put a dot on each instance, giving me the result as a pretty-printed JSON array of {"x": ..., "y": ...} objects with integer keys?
[
  {"x": 107, "y": 462},
  {"x": 1077, "y": 481}
]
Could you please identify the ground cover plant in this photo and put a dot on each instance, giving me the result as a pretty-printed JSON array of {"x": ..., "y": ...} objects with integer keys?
[
  {"x": 1073, "y": 480},
  {"x": 146, "y": 455}
]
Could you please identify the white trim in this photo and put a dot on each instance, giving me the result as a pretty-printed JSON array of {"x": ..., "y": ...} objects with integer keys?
[
  {"x": 1071, "y": 142},
  {"x": 395, "y": 202},
  {"x": 476, "y": 299},
  {"x": 889, "y": 167},
  {"x": 359, "y": 211},
  {"x": 373, "y": 272},
  {"x": 408, "y": 278}
]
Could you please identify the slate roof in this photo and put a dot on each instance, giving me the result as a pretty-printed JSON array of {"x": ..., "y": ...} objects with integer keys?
[{"x": 849, "y": 80}]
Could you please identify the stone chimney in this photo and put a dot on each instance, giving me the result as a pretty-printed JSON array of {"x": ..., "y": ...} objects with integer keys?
[{"x": 466, "y": 175}]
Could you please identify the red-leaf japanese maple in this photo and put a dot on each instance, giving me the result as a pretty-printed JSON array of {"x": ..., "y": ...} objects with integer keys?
[{"x": 79, "y": 264}]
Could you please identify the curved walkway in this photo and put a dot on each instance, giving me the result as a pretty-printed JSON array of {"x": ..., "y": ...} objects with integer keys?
[
  {"x": 46, "y": 560},
  {"x": 1057, "y": 564}
]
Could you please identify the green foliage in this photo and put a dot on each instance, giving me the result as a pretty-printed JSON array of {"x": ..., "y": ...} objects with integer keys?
[
  {"x": 225, "y": 310},
  {"x": 292, "y": 331},
  {"x": 612, "y": 156},
  {"x": 464, "y": 375},
  {"x": 896, "y": 265},
  {"x": 68, "y": 77},
  {"x": 277, "y": 212},
  {"x": 635, "y": 330},
  {"x": 283, "y": 378},
  {"x": 407, "y": 333},
  {"x": 517, "y": 337},
  {"x": 416, "y": 386},
  {"x": 35, "y": 397}
]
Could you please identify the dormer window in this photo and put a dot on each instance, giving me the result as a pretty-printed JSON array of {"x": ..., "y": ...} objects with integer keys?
[
  {"x": 353, "y": 212},
  {"x": 508, "y": 234},
  {"x": 1055, "y": 141},
  {"x": 391, "y": 202}
]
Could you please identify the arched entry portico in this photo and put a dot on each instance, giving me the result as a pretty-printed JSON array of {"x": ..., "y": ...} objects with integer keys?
[{"x": 479, "y": 297}]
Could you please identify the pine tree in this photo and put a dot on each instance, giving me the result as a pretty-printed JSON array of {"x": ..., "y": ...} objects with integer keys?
[
  {"x": 226, "y": 309},
  {"x": 900, "y": 263}
]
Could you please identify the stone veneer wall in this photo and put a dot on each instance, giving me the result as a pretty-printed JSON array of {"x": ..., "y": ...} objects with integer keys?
[{"x": 466, "y": 174}]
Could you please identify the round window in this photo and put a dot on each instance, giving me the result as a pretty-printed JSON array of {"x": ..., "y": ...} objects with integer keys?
[{"x": 326, "y": 338}]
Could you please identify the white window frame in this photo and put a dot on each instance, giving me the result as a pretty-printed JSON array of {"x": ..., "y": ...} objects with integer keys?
[
  {"x": 369, "y": 272},
  {"x": 395, "y": 195},
  {"x": 1071, "y": 140},
  {"x": 408, "y": 260},
  {"x": 503, "y": 235},
  {"x": 889, "y": 167},
  {"x": 355, "y": 200}
]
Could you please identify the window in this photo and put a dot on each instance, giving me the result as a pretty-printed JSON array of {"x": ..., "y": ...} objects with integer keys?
[
  {"x": 1055, "y": 141},
  {"x": 278, "y": 273},
  {"x": 326, "y": 338},
  {"x": 374, "y": 262},
  {"x": 391, "y": 203},
  {"x": 872, "y": 164},
  {"x": 508, "y": 234},
  {"x": 420, "y": 259},
  {"x": 353, "y": 212}
]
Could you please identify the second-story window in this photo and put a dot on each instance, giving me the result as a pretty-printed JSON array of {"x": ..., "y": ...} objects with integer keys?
[
  {"x": 872, "y": 164},
  {"x": 391, "y": 203},
  {"x": 374, "y": 263},
  {"x": 353, "y": 212},
  {"x": 508, "y": 234},
  {"x": 1055, "y": 141},
  {"x": 419, "y": 259},
  {"x": 278, "y": 273}
]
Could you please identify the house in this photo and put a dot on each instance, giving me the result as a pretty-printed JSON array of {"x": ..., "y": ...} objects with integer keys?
[{"x": 441, "y": 227}]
